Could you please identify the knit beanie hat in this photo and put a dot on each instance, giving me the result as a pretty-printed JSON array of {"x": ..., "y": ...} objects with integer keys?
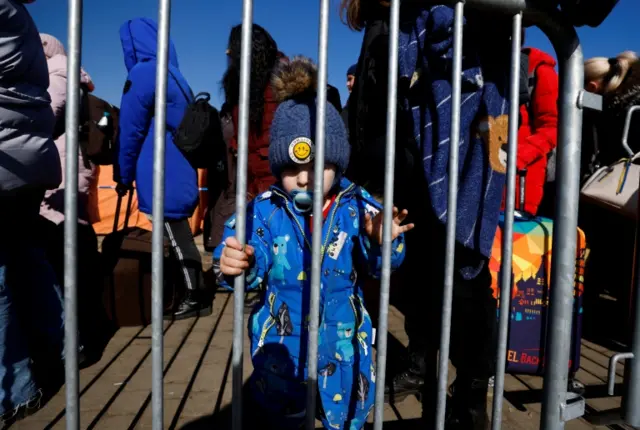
[
  {"x": 293, "y": 128},
  {"x": 352, "y": 70},
  {"x": 51, "y": 46}
]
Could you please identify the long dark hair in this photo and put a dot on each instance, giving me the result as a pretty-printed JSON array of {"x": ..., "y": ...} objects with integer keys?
[
  {"x": 264, "y": 54},
  {"x": 356, "y": 13}
]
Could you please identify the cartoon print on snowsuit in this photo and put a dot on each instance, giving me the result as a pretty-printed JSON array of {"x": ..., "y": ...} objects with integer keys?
[
  {"x": 278, "y": 328},
  {"x": 280, "y": 262}
]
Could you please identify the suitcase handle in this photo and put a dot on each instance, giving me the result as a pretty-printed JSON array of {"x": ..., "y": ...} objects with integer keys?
[
  {"x": 127, "y": 213},
  {"x": 522, "y": 174}
]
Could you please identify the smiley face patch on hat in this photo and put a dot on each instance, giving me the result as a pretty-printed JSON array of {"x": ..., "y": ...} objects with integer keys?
[{"x": 301, "y": 150}]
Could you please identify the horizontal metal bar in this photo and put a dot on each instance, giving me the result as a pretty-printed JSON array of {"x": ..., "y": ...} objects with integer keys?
[
  {"x": 590, "y": 101},
  {"x": 113, "y": 187}
]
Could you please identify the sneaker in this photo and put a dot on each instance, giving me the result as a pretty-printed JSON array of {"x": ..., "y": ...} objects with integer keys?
[{"x": 193, "y": 305}]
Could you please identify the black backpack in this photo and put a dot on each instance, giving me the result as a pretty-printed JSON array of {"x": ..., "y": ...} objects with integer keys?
[
  {"x": 199, "y": 135},
  {"x": 98, "y": 128}
]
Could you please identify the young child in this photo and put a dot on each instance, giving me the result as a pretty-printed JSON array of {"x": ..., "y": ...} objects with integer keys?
[{"x": 278, "y": 254}]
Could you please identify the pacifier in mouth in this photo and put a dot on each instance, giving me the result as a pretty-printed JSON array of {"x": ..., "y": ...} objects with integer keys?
[{"x": 302, "y": 201}]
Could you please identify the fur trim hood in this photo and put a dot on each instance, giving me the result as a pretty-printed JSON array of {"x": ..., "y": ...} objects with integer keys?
[{"x": 294, "y": 79}]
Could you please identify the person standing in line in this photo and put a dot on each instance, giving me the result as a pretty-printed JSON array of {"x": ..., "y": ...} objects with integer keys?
[
  {"x": 262, "y": 104},
  {"x": 31, "y": 309},
  {"x": 94, "y": 327},
  {"x": 135, "y": 144}
]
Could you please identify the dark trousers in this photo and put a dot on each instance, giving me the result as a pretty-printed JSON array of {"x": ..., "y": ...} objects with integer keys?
[
  {"x": 91, "y": 314},
  {"x": 473, "y": 323},
  {"x": 185, "y": 253}
]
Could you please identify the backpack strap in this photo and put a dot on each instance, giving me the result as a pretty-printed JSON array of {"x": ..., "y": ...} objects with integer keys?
[{"x": 184, "y": 93}]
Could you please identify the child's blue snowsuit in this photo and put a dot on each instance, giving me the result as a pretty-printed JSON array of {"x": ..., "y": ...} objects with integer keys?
[{"x": 278, "y": 327}]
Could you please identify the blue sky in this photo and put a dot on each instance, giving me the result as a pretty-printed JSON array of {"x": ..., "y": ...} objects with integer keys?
[{"x": 200, "y": 30}]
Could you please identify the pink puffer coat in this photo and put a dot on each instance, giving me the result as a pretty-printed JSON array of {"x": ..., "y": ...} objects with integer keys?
[{"x": 52, "y": 206}]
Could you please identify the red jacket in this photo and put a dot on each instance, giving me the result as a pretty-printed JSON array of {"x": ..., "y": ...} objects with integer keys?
[
  {"x": 259, "y": 176},
  {"x": 538, "y": 132}
]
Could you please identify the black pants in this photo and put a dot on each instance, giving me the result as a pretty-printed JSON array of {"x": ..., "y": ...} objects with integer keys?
[
  {"x": 91, "y": 314},
  {"x": 474, "y": 324},
  {"x": 184, "y": 252}
]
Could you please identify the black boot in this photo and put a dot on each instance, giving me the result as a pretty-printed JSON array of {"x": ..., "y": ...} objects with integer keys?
[
  {"x": 194, "y": 304},
  {"x": 468, "y": 405},
  {"x": 407, "y": 383}
]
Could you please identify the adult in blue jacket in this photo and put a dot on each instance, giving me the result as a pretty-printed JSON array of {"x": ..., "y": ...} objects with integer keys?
[{"x": 139, "y": 39}]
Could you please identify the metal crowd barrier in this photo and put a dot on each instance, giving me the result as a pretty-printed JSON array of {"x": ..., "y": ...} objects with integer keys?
[
  {"x": 556, "y": 407},
  {"x": 630, "y": 412}
]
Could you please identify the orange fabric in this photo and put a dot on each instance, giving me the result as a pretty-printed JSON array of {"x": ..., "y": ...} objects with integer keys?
[
  {"x": 197, "y": 219},
  {"x": 103, "y": 206}
]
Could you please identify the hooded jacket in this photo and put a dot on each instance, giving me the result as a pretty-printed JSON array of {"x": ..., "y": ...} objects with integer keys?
[
  {"x": 282, "y": 241},
  {"x": 538, "y": 132},
  {"x": 135, "y": 144},
  {"x": 28, "y": 156},
  {"x": 52, "y": 206}
]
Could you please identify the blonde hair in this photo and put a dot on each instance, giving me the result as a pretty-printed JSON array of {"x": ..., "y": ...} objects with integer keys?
[{"x": 609, "y": 71}]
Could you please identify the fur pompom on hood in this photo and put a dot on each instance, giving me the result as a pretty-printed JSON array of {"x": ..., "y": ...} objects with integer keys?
[{"x": 294, "y": 79}]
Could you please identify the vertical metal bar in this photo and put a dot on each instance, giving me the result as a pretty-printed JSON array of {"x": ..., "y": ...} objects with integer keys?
[
  {"x": 631, "y": 400},
  {"x": 71, "y": 214},
  {"x": 392, "y": 95},
  {"x": 449, "y": 266},
  {"x": 157, "y": 240},
  {"x": 563, "y": 263},
  {"x": 506, "y": 269},
  {"x": 318, "y": 203},
  {"x": 241, "y": 209}
]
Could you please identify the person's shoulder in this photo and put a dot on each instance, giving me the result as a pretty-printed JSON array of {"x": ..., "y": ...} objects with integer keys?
[
  {"x": 141, "y": 79},
  {"x": 264, "y": 203},
  {"x": 143, "y": 73},
  {"x": 360, "y": 196}
]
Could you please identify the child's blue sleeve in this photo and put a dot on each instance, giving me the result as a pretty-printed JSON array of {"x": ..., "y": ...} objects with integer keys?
[
  {"x": 259, "y": 237},
  {"x": 371, "y": 252}
]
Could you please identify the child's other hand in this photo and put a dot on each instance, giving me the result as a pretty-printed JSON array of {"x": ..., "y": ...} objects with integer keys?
[
  {"x": 235, "y": 260},
  {"x": 373, "y": 227}
]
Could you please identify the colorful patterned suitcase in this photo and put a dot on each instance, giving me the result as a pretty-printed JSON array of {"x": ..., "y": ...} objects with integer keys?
[{"x": 531, "y": 264}]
